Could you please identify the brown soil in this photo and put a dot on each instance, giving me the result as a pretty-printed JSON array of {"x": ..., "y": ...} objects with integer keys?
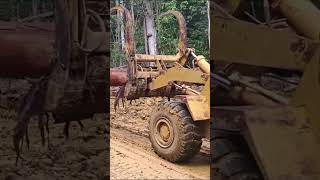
[
  {"x": 80, "y": 157},
  {"x": 131, "y": 153}
]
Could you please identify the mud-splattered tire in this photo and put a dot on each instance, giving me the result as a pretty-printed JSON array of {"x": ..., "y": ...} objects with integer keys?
[
  {"x": 232, "y": 163},
  {"x": 173, "y": 134}
]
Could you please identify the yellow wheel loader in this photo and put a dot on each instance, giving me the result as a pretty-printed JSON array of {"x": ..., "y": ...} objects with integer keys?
[{"x": 177, "y": 127}]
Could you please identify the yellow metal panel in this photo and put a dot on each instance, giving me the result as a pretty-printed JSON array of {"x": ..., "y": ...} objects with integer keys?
[
  {"x": 249, "y": 43},
  {"x": 203, "y": 64},
  {"x": 206, "y": 91},
  {"x": 308, "y": 91},
  {"x": 284, "y": 143},
  {"x": 199, "y": 107},
  {"x": 178, "y": 73},
  {"x": 303, "y": 15}
]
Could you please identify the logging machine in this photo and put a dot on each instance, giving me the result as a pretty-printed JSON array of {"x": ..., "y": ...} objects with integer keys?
[{"x": 177, "y": 127}]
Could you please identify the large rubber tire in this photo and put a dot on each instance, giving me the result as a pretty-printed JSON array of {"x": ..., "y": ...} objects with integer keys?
[
  {"x": 185, "y": 134},
  {"x": 232, "y": 161}
]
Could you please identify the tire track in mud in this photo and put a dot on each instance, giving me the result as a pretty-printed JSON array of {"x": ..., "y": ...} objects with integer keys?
[
  {"x": 79, "y": 158},
  {"x": 134, "y": 118},
  {"x": 132, "y": 158},
  {"x": 131, "y": 150},
  {"x": 134, "y": 163}
]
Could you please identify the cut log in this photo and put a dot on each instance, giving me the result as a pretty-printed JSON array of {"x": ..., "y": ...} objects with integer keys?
[
  {"x": 25, "y": 51},
  {"x": 118, "y": 77}
]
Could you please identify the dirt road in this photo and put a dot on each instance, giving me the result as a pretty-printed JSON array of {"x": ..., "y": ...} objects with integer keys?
[
  {"x": 81, "y": 157},
  {"x": 131, "y": 153},
  {"x": 133, "y": 158}
]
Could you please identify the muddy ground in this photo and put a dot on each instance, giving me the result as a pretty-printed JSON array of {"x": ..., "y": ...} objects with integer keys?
[
  {"x": 84, "y": 155},
  {"x": 81, "y": 157},
  {"x": 131, "y": 153}
]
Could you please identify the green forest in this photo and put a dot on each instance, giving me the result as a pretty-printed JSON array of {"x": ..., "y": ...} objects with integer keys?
[
  {"x": 153, "y": 34},
  {"x": 14, "y": 10},
  {"x": 165, "y": 29}
]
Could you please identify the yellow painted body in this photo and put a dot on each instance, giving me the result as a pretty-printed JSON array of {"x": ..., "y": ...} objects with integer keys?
[
  {"x": 198, "y": 104},
  {"x": 170, "y": 71},
  {"x": 203, "y": 64},
  {"x": 230, "y": 5},
  {"x": 303, "y": 15},
  {"x": 287, "y": 134}
]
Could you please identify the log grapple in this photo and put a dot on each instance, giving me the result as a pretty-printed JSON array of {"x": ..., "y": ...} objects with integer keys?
[
  {"x": 61, "y": 67},
  {"x": 176, "y": 127}
]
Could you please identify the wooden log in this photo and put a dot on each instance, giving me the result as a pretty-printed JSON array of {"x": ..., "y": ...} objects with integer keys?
[
  {"x": 25, "y": 51},
  {"x": 118, "y": 77}
]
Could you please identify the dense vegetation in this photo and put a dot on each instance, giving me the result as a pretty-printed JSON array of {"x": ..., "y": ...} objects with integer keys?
[
  {"x": 194, "y": 11},
  {"x": 18, "y": 9},
  {"x": 166, "y": 28}
]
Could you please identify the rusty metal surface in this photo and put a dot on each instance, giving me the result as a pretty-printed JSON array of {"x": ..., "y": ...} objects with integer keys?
[
  {"x": 182, "y": 45},
  {"x": 153, "y": 58},
  {"x": 129, "y": 41},
  {"x": 129, "y": 31},
  {"x": 25, "y": 52}
]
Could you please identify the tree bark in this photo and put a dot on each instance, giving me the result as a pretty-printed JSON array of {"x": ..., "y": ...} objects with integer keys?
[
  {"x": 117, "y": 33},
  {"x": 122, "y": 29},
  {"x": 150, "y": 28},
  {"x": 146, "y": 47},
  {"x": 132, "y": 11}
]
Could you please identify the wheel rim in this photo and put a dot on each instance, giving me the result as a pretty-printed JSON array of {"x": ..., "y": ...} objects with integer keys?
[{"x": 164, "y": 133}]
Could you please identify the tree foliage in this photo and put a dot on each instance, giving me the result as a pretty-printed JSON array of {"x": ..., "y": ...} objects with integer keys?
[
  {"x": 195, "y": 13},
  {"x": 16, "y": 9}
]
